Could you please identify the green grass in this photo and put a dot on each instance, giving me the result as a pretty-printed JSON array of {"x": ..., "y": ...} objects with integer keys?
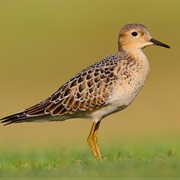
[{"x": 136, "y": 161}]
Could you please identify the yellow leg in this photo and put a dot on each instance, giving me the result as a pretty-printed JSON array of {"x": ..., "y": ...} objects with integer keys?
[{"x": 92, "y": 141}]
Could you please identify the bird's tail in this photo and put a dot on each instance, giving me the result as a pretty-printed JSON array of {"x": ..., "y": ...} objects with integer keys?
[{"x": 28, "y": 115}]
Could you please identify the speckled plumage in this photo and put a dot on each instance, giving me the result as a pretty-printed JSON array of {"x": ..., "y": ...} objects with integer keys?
[{"x": 103, "y": 88}]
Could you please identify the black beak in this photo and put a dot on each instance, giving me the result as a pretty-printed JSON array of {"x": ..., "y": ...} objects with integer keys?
[{"x": 158, "y": 43}]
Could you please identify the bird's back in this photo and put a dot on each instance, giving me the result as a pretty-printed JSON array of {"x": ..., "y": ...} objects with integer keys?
[
  {"x": 87, "y": 91},
  {"x": 101, "y": 89}
]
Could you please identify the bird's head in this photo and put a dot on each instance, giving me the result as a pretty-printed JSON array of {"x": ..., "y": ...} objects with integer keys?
[{"x": 136, "y": 36}]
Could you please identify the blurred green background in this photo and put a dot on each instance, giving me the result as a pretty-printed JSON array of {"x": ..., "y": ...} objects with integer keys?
[{"x": 44, "y": 43}]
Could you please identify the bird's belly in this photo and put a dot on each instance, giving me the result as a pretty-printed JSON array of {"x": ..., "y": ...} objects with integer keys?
[
  {"x": 123, "y": 94},
  {"x": 126, "y": 90},
  {"x": 127, "y": 86},
  {"x": 119, "y": 99}
]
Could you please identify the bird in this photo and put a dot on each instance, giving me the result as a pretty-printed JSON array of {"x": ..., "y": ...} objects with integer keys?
[{"x": 103, "y": 88}]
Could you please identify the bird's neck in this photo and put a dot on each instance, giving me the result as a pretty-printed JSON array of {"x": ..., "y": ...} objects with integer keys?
[
  {"x": 132, "y": 55},
  {"x": 138, "y": 58}
]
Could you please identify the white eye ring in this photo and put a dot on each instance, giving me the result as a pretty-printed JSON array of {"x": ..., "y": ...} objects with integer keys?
[{"x": 134, "y": 33}]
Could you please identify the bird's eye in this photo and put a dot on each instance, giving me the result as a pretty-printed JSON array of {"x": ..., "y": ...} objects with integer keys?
[{"x": 134, "y": 33}]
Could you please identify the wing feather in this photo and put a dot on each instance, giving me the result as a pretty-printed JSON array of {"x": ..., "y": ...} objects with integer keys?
[{"x": 86, "y": 91}]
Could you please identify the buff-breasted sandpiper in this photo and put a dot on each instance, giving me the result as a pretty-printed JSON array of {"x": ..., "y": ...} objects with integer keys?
[{"x": 99, "y": 90}]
